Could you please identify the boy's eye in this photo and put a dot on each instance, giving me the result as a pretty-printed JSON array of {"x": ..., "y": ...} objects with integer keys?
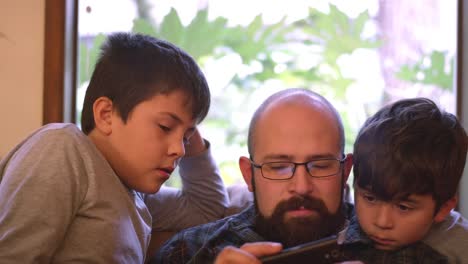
[
  {"x": 165, "y": 128},
  {"x": 403, "y": 207},
  {"x": 186, "y": 141},
  {"x": 368, "y": 197}
]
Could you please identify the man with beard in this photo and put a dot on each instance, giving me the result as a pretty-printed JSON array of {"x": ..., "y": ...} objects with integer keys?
[{"x": 297, "y": 169}]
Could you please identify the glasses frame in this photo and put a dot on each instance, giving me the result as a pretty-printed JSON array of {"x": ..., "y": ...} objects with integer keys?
[{"x": 259, "y": 166}]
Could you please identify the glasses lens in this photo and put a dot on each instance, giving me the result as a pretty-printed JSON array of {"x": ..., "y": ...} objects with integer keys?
[
  {"x": 278, "y": 170},
  {"x": 321, "y": 168}
]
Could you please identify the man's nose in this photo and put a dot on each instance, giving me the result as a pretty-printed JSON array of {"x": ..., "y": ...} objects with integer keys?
[
  {"x": 301, "y": 183},
  {"x": 383, "y": 218}
]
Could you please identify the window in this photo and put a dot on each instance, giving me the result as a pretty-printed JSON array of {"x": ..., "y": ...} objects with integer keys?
[{"x": 359, "y": 54}]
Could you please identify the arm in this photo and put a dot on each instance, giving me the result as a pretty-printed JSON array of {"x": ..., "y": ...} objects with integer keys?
[
  {"x": 37, "y": 198},
  {"x": 203, "y": 197},
  {"x": 450, "y": 237}
]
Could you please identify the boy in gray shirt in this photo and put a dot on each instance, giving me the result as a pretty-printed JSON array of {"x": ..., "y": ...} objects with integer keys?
[{"x": 89, "y": 196}]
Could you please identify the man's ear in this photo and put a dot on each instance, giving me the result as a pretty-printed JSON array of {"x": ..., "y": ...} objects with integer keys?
[
  {"x": 445, "y": 209},
  {"x": 348, "y": 165},
  {"x": 246, "y": 169},
  {"x": 102, "y": 112}
]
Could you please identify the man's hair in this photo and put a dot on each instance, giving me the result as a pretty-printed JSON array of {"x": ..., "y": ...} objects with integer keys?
[
  {"x": 410, "y": 147},
  {"x": 304, "y": 93},
  {"x": 132, "y": 68}
]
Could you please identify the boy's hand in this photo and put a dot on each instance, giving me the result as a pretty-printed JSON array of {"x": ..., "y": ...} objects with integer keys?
[
  {"x": 248, "y": 253},
  {"x": 196, "y": 144}
]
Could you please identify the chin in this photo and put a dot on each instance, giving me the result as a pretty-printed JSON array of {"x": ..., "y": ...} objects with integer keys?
[
  {"x": 386, "y": 247},
  {"x": 149, "y": 189}
]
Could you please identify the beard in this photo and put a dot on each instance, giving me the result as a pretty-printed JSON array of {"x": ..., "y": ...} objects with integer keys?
[{"x": 298, "y": 230}]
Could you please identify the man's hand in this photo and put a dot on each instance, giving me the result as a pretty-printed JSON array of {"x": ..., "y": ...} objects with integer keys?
[
  {"x": 248, "y": 253},
  {"x": 196, "y": 144}
]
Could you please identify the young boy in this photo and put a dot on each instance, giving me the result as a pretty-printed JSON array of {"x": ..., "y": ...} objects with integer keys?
[
  {"x": 72, "y": 196},
  {"x": 408, "y": 161}
]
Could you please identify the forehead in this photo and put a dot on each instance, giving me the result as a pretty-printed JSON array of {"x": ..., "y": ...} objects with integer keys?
[
  {"x": 297, "y": 128},
  {"x": 175, "y": 103}
]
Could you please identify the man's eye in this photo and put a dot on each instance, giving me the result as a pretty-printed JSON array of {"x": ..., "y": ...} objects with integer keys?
[
  {"x": 278, "y": 166},
  {"x": 322, "y": 164}
]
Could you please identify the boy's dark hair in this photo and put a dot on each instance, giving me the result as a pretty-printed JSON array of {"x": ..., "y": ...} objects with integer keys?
[
  {"x": 133, "y": 68},
  {"x": 410, "y": 147}
]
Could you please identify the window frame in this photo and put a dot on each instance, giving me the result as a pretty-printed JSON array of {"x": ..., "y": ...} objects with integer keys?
[{"x": 60, "y": 61}]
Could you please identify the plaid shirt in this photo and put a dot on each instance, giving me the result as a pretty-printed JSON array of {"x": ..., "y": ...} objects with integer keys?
[{"x": 201, "y": 244}]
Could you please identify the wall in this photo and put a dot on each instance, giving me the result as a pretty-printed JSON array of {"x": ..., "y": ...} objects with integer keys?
[{"x": 21, "y": 69}]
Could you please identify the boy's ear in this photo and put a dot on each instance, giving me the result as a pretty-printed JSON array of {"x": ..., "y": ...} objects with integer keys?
[
  {"x": 246, "y": 169},
  {"x": 102, "y": 112},
  {"x": 445, "y": 209},
  {"x": 348, "y": 165}
]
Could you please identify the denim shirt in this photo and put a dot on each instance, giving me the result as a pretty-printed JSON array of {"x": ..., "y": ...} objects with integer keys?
[{"x": 203, "y": 243}]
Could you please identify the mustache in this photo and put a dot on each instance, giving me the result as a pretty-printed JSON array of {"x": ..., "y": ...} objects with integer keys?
[{"x": 297, "y": 202}]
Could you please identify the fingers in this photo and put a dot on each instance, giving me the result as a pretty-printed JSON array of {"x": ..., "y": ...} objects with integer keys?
[
  {"x": 248, "y": 253},
  {"x": 196, "y": 144},
  {"x": 231, "y": 255},
  {"x": 260, "y": 249}
]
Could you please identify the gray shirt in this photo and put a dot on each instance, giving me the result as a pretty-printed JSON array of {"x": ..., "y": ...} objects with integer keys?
[
  {"x": 450, "y": 238},
  {"x": 61, "y": 202}
]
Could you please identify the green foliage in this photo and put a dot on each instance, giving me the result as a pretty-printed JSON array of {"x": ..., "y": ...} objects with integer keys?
[
  {"x": 257, "y": 39},
  {"x": 326, "y": 36},
  {"x": 199, "y": 38},
  {"x": 143, "y": 26},
  {"x": 88, "y": 57},
  {"x": 430, "y": 69},
  {"x": 336, "y": 34}
]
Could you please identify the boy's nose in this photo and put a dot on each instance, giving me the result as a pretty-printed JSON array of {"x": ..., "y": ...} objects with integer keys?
[
  {"x": 383, "y": 218},
  {"x": 177, "y": 148}
]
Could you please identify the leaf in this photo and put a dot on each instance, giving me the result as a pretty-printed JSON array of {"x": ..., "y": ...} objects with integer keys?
[
  {"x": 203, "y": 36},
  {"x": 88, "y": 57},
  {"x": 434, "y": 74},
  {"x": 142, "y": 26},
  {"x": 171, "y": 29}
]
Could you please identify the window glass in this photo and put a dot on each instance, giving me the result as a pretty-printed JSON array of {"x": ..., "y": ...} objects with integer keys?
[{"x": 359, "y": 54}]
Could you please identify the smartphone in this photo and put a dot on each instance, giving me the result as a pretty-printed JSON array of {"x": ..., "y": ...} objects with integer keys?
[{"x": 326, "y": 250}]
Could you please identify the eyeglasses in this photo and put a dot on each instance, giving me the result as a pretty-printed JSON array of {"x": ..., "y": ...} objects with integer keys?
[{"x": 284, "y": 170}]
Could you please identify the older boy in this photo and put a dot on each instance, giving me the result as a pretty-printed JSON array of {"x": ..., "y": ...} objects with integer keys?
[
  {"x": 72, "y": 196},
  {"x": 408, "y": 161}
]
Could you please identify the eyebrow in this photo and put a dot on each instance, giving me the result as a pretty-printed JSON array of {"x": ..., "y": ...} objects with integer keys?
[
  {"x": 290, "y": 157},
  {"x": 410, "y": 200},
  {"x": 178, "y": 120},
  {"x": 407, "y": 199},
  {"x": 173, "y": 116}
]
